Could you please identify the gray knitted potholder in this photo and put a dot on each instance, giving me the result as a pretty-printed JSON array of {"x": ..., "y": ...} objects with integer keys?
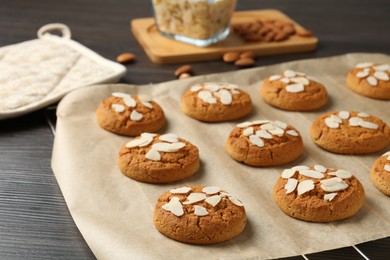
[{"x": 36, "y": 73}]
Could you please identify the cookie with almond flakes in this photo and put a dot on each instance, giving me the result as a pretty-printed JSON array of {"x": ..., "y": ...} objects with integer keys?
[
  {"x": 264, "y": 143},
  {"x": 129, "y": 115},
  {"x": 157, "y": 158},
  {"x": 216, "y": 102},
  {"x": 318, "y": 194},
  {"x": 349, "y": 132},
  {"x": 371, "y": 80},
  {"x": 199, "y": 215},
  {"x": 380, "y": 173},
  {"x": 293, "y": 91}
]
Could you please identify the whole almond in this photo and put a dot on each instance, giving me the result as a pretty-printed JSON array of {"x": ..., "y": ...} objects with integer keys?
[
  {"x": 182, "y": 69},
  {"x": 289, "y": 29},
  {"x": 125, "y": 57},
  {"x": 247, "y": 54},
  {"x": 304, "y": 33},
  {"x": 230, "y": 57},
  {"x": 244, "y": 62},
  {"x": 269, "y": 37},
  {"x": 281, "y": 36},
  {"x": 185, "y": 76},
  {"x": 253, "y": 37}
]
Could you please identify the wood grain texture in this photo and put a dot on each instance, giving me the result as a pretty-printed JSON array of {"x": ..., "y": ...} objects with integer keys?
[{"x": 34, "y": 220}]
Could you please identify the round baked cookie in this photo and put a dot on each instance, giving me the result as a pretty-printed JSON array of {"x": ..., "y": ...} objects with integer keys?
[
  {"x": 380, "y": 173},
  {"x": 157, "y": 158},
  {"x": 199, "y": 215},
  {"x": 130, "y": 115},
  {"x": 216, "y": 102},
  {"x": 318, "y": 194},
  {"x": 348, "y": 132},
  {"x": 264, "y": 143},
  {"x": 293, "y": 91},
  {"x": 371, "y": 80}
]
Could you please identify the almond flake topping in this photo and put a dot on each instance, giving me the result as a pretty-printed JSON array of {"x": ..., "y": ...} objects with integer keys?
[
  {"x": 290, "y": 185},
  {"x": 333, "y": 184},
  {"x": 336, "y": 119},
  {"x": 182, "y": 190},
  {"x": 146, "y": 98},
  {"x": 235, "y": 91},
  {"x": 362, "y": 74},
  {"x": 289, "y": 73},
  {"x": 330, "y": 123},
  {"x": 343, "y": 174},
  {"x": 355, "y": 121},
  {"x": 153, "y": 155},
  {"x": 174, "y": 206},
  {"x": 292, "y": 132},
  {"x": 301, "y": 80},
  {"x": 381, "y": 75},
  {"x": 320, "y": 168},
  {"x": 263, "y": 134},
  {"x": 343, "y": 114},
  {"x": 364, "y": 65},
  {"x": 195, "y": 197},
  {"x": 295, "y": 88},
  {"x": 170, "y": 138},
  {"x": 147, "y": 104},
  {"x": 236, "y": 201},
  {"x": 244, "y": 124},
  {"x": 135, "y": 116},
  {"x": 288, "y": 173},
  {"x": 248, "y": 131},
  {"x": 196, "y": 88},
  {"x": 300, "y": 168},
  {"x": 213, "y": 200},
  {"x": 372, "y": 81},
  {"x": 280, "y": 124},
  {"x": 285, "y": 80},
  {"x": 207, "y": 97},
  {"x": 260, "y": 122},
  {"x": 200, "y": 211},
  {"x": 305, "y": 186},
  {"x": 138, "y": 142},
  {"x": 382, "y": 67},
  {"x": 267, "y": 127},
  {"x": 387, "y": 167},
  {"x": 254, "y": 139},
  {"x": 368, "y": 125},
  {"x": 312, "y": 174},
  {"x": 225, "y": 97},
  {"x": 120, "y": 95},
  {"x": 274, "y": 77},
  {"x": 330, "y": 196},
  {"x": 277, "y": 131},
  {"x": 129, "y": 101},
  {"x": 118, "y": 108},
  {"x": 213, "y": 87},
  {"x": 168, "y": 147},
  {"x": 211, "y": 190},
  {"x": 362, "y": 114}
]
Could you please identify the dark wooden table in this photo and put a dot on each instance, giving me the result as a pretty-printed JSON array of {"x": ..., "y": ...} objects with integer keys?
[{"x": 34, "y": 220}]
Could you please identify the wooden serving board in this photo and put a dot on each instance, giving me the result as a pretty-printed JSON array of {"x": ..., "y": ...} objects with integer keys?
[{"x": 163, "y": 50}]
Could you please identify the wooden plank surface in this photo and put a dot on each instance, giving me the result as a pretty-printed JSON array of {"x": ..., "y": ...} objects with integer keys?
[
  {"x": 164, "y": 50},
  {"x": 34, "y": 220}
]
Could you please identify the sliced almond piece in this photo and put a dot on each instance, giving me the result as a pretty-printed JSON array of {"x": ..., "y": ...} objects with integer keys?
[
  {"x": 343, "y": 174},
  {"x": 362, "y": 74},
  {"x": 136, "y": 142},
  {"x": 129, "y": 101},
  {"x": 118, "y": 108},
  {"x": 305, "y": 186},
  {"x": 196, "y": 88},
  {"x": 263, "y": 134},
  {"x": 135, "y": 116},
  {"x": 267, "y": 126},
  {"x": 209, "y": 190},
  {"x": 147, "y": 104},
  {"x": 330, "y": 196},
  {"x": 225, "y": 97},
  {"x": 280, "y": 124},
  {"x": 300, "y": 168},
  {"x": 355, "y": 121},
  {"x": 248, "y": 131},
  {"x": 292, "y": 132},
  {"x": 254, "y": 139},
  {"x": 277, "y": 131},
  {"x": 285, "y": 80},
  {"x": 170, "y": 138},
  {"x": 168, "y": 147},
  {"x": 288, "y": 173},
  {"x": 200, "y": 211},
  {"x": 274, "y": 77},
  {"x": 336, "y": 119},
  {"x": 330, "y": 123},
  {"x": 213, "y": 87},
  {"x": 320, "y": 168},
  {"x": 120, "y": 94},
  {"x": 153, "y": 155},
  {"x": 146, "y": 98},
  {"x": 331, "y": 181},
  {"x": 364, "y": 65},
  {"x": 300, "y": 80},
  {"x": 213, "y": 200},
  {"x": 336, "y": 187},
  {"x": 181, "y": 190},
  {"x": 387, "y": 167},
  {"x": 195, "y": 197},
  {"x": 372, "y": 81},
  {"x": 382, "y": 67},
  {"x": 312, "y": 174},
  {"x": 290, "y": 185},
  {"x": 368, "y": 125},
  {"x": 174, "y": 206},
  {"x": 295, "y": 88},
  {"x": 204, "y": 95},
  {"x": 343, "y": 114},
  {"x": 381, "y": 75},
  {"x": 244, "y": 124},
  {"x": 289, "y": 73},
  {"x": 236, "y": 201},
  {"x": 260, "y": 122},
  {"x": 362, "y": 114}
]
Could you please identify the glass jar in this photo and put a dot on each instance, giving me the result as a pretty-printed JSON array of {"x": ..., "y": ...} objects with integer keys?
[{"x": 197, "y": 22}]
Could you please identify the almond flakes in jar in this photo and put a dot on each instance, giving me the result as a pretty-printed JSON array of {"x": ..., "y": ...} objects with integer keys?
[{"x": 197, "y": 22}]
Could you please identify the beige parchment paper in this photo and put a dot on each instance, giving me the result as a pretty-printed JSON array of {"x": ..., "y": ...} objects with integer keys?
[{"x": 114, "y": 213}]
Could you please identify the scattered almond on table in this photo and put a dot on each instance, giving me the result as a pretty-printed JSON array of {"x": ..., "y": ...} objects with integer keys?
[
  {"x": 125, "y": 57},
  {"x": 230, "y": 57},
  {"x": 182, "y": 69},
  {"x": 185, "y": 76},
  {"x": 245, "y": 62}
]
